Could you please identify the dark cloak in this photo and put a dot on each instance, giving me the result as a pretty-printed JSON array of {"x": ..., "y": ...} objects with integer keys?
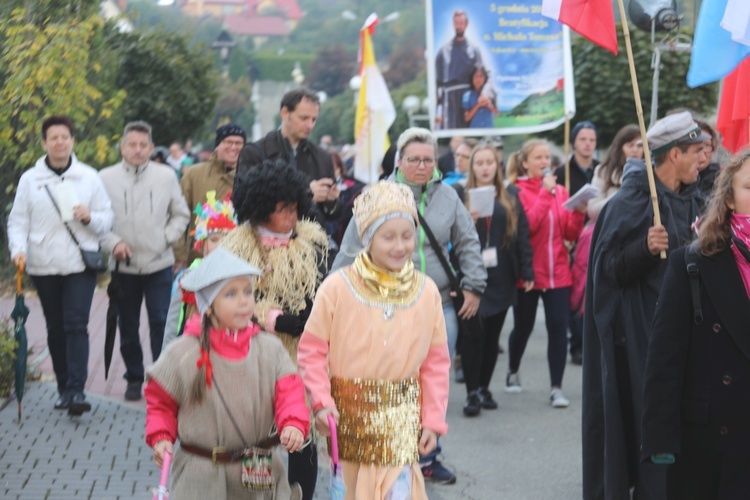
[{"x": 622, "y": 288}]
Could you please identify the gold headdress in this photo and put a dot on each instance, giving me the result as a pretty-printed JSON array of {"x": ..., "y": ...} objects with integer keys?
[{"x": 379, "y": 201}]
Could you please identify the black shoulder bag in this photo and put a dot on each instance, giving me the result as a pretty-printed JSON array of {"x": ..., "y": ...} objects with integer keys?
[
  {"x": 94, "y": 260},
  {"x": 469, "y": 327}
]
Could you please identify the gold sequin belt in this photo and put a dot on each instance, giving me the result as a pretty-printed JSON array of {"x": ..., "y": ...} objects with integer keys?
[{"x": 379, "y": 420}]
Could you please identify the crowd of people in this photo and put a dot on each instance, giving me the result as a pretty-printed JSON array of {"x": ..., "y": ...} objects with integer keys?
[{"x": 296, "y": 298}]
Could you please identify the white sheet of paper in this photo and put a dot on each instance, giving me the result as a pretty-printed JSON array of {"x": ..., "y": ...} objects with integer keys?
[
  {"x": 482, "y": 199},
  {"x": 586, "y": 193},
  {"x": 66, "y": 200}
]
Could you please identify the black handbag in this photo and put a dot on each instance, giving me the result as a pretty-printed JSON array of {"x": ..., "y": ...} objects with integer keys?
[
  {"x": 468, "y": 327},
  {"x": 94, "y": 260}
]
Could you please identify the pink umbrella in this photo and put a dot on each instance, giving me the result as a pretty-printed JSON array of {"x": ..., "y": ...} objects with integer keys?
[
  {"x": 161, "y": 493},
  {"x": 337, "y": 488}
]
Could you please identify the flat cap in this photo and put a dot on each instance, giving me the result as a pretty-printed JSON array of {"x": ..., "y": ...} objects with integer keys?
[
  {"x": 211, "y": 275},
  {"x": 679, "y": 128}
]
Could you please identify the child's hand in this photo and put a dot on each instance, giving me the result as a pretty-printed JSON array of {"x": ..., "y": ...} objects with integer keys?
[
  {"x": 321, "y": 420},
  {"x": 427, "y": 441},
  {"x": 291, "y": 438},
  {"x": 159, "y": 449}
]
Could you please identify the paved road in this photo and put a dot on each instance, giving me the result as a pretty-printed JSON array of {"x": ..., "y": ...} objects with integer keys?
[{"x": 524, "y": 450}]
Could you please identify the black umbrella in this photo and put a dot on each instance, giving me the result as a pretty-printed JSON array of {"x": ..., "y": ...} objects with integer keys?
[
  {"x": 19, "y": 314},
  {"x": 113, "y": 292}
]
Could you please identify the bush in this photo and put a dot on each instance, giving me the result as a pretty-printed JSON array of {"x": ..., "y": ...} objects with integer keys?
[{"x": 7, "y": 356}]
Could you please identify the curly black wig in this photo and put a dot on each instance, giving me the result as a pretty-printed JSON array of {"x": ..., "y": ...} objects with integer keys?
[{"x": 258, "y": 189}]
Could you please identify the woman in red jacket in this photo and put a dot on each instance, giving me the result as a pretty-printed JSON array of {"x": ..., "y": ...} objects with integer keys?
[{"x": 550, "y": 225}]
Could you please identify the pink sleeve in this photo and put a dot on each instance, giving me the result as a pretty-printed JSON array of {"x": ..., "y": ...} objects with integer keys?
[
  {"x": 434, "y": 377},
  {"x": 312, "y": 361},
  {"x": 289, "y": 404},
  {"x": 161, "y": 414}
]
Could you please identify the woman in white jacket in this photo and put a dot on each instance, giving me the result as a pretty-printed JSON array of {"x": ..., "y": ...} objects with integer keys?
[{"x": 38, "y": 236}]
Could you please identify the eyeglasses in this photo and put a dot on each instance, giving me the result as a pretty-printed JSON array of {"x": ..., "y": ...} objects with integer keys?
[{"x": 413, "y": 161}]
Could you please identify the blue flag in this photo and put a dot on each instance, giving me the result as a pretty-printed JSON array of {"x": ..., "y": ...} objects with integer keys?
[{"x": 715, "y": 54}]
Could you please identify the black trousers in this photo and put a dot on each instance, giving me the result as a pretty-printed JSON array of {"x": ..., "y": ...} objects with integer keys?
[
  {"x": 479, "y": 352},
  {"x": 66, "y": 303},
  {"x": 556, "y": 313},
  {"x": 303, "y": 469}
]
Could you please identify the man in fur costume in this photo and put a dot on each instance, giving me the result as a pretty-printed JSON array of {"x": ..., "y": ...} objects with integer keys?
[{"x": 269, "y": 202}]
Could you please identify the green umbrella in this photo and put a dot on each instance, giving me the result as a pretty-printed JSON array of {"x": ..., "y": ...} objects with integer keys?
[{"x": 19, "y": 314}]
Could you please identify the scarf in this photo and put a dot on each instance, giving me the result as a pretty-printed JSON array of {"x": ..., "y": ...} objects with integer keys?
[
  {"x": 388, "y": 286},
  {"x": 271, "y": 239},
  {"x": 740, "y": 225}
]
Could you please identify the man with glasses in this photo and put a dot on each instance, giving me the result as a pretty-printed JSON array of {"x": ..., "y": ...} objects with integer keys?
[
  {"x": 217, "y": 174},
  {"x": 452, "y": 225}
]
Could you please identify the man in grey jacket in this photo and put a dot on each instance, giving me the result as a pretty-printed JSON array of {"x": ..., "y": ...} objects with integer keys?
[
  {"x": 452, "y": 226},
  {"x": 150, "y": 216}
]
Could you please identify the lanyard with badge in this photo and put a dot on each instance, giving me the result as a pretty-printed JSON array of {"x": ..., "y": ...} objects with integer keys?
[{"x": 489, "y": 254}]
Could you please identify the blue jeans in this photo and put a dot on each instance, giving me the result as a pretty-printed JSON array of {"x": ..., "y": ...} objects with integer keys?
[
  {"x": 156, "y": 288},
  {"x": 451, "y": 328},
  {"x": 66, "y": 302}
]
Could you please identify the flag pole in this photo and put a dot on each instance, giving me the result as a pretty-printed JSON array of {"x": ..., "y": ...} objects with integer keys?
[
  {"x": 567, "y": 152},
  {"x": 641, "y": 123}
]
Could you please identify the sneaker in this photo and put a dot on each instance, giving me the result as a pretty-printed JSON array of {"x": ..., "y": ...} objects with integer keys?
[
  {"x": 133, "y": 392},
  {"x": 473, "y": 405},
  {"x": 460, "y": 376},
  {"x": 436, "y": 473},
  {"x": 513, "y": 383},
  {"x": 557, "y": 399},
  {"x": 486, "y": 397}
]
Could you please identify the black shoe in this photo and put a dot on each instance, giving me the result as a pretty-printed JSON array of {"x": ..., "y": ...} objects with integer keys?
[
  {"x": 473, "y": 405},
  {"x": 500, "y": 349},
  {"x": 63, "y": 402},
  {"x": 576, "y": 357},
  {"x": 487, "y": 402},
  {"x": 78, "y": 405},
  {"x": 133, "y": 392}
]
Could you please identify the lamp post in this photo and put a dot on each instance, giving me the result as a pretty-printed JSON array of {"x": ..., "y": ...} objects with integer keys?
[{"x": 412, "y": 105}]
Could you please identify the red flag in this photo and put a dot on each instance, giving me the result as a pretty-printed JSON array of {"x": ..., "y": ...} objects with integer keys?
[
  {"x": 733, "y": 120},
  {"x": 592, "y": 19}
]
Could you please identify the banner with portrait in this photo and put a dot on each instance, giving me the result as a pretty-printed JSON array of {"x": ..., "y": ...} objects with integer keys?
[{"x": 497, "y": 68}]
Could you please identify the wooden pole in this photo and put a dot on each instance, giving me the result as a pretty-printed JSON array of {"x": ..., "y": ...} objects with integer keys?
[
  {"x": 567, "y": 152},
  {"x": 641, "y": 123}
]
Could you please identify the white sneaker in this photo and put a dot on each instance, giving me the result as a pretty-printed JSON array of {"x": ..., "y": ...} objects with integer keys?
[
  {"x": 557, "y": 399},
  {"x": 513, "y": 383}
]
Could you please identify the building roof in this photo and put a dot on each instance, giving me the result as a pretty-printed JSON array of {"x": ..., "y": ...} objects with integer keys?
[{"x": 256, "y": 25}]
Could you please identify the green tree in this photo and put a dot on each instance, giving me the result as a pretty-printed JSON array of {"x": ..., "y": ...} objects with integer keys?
[
  {"x": 50, "y": 68},
  {"x": 332, "y": 69},
  {"x": 234, "y": 105},
  {"x": 238, "y": 64},
  {"x": 170, "y": 84},
  {"x": 604, "y": 94}
]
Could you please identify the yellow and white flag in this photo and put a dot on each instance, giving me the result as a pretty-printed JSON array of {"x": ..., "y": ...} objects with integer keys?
[{"x": 375, "y": 110}]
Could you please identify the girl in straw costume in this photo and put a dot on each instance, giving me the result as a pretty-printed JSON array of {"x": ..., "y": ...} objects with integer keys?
[
  {"x": 220, "y": 388},
  {"x": 271, "y": 200},
  {"x": 377, "y": 330}
]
